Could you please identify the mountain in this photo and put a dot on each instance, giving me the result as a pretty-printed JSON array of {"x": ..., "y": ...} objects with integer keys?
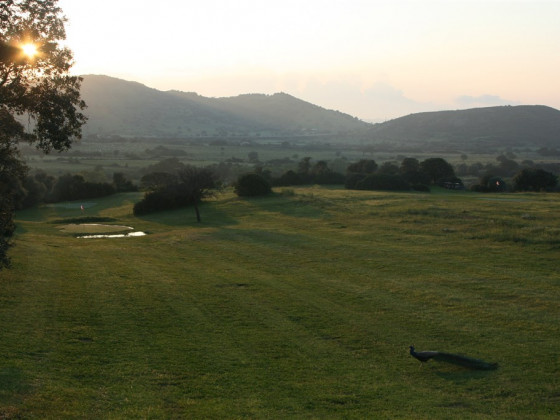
[
  {"x": 118, "y": 107},
  {"x": 473, "y": 129}
]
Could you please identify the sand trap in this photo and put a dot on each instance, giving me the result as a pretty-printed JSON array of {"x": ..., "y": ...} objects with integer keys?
[
  {"x": 97, "y": 230},
  {"x": 93, "y": 228},
  {"x": 122, "y": 235}
]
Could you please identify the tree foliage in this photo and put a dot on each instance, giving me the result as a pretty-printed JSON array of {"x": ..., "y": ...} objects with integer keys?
[
  {"x": 38, "y": 88},
  {"x": 187, "y": 186},
  {"x": 437, "y": 169},
  {"x": 252, "y": 185},
  {"x": 530, "y": 179},
  {"x": 490, "y": 183}
]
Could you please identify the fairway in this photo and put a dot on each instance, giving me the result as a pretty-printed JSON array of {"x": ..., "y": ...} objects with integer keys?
[{"x": 299, "y": 305}]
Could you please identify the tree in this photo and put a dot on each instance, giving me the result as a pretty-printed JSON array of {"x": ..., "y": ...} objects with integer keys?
[
  {"x": 437, "y": 169},
  {"x": 196, "y": 184},
  {"x": 409, "y": 165},
  {"x": 490, "y": 183},
  {"x": 38, "y": 86},
  {"x": 358, "y": 171},
  {"x": 12, "y": 171},
  {"x": 388, "y": 168},
  {"x": 411, "y": 173},
  {"x": 363, "y": 166},
  {"x": 508, "y": 167},
  {"x": 251, "y": 185},
  {"x": 381, "y": 181},
  {"x": 530, "y": 179},
  {"x": 157, "y": 181},
  {"x": 122, "y": 184},
  {"x": 288, "y": 178}
]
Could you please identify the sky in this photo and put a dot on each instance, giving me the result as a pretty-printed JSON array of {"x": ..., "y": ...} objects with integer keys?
[{"x": 375, "y": 60}]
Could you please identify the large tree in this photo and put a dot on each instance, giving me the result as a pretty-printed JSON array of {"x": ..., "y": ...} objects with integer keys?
[
  {"x": 437, "y": 169},
  {"x": 532, "y": 179},
  {"x": 196, "y": 184},
  {"x": 35, "y": 87}
]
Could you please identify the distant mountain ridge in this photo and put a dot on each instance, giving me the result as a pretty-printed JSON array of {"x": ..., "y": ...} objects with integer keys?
[
  {"x": 130, "y": 109},
  {"x": 505, "y": 126},
  {"x": 119, "y": 107}
]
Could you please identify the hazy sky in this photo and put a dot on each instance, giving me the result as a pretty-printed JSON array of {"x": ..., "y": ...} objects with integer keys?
[{"x": 372, "y": 59}]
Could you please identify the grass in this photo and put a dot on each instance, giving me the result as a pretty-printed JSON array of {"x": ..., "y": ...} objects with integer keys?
[{"x": 300, "y": 305}]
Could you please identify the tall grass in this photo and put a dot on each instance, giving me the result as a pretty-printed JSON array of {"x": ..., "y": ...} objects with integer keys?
[{"x": 300, "y": 305}]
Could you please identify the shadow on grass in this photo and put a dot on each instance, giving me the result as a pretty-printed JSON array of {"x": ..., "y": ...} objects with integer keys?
[
  {"x": 463, "y": 375},
  {"x": 210, "y": 215},
  {"x": 12, "y": 381}
]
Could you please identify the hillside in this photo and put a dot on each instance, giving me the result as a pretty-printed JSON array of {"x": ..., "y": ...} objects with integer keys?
[
  {"x": 118, "y": 107},
  {"x": 504, "y": 126}
]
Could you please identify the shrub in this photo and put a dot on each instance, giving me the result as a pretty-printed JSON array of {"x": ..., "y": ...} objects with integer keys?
[
  {"x": 250, "y": 185},
  {"x": 535, "y": 180},
  {"x": 159, "y": 200},
  {"x": 386, "y": 182}
]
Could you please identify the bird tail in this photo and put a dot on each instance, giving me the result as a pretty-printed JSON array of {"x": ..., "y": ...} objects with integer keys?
[{"x": 465, "y": 361}]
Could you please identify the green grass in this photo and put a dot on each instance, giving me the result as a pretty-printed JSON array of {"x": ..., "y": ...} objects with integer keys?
[{"x": 300, "y": 305}]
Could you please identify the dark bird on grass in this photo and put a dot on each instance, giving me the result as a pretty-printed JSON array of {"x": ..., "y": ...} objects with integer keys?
[{"x": 456, "y": 359}]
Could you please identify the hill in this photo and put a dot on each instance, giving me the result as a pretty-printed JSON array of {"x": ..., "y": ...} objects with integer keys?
[
  {"x": 118, "y": 107},
  {"x": 503, "y": 126}
]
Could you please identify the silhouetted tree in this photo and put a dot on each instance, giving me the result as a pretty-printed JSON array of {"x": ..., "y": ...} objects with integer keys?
[
  {"x": 530, "y": 179},
  {"x": 196, "y": 184},
  {"x": 437, "y": 169},
  {"x": 380, "y": 181},
  {"x": 357, "y": 171},
  {"x": 411, "y": 173},
  {"x": 490, "y": 183},
  {"x": 388, "y": 168},
  {"x": 157, "y": 180},
  {"x": 304, "y": 167},
  {"x": 364, "y": 166},
  {"x": 40, "y": 87},
  {"x": 122, "y": 184},
  {"x": 409, "y": 165},
  {"x": 251, "y": 185},
  {"x": 288, "y": 178}
]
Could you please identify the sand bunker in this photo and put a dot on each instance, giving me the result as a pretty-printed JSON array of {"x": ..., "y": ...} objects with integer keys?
[
  {"x": 96, "y": 230},
  {"x": 121, "y": 235}
]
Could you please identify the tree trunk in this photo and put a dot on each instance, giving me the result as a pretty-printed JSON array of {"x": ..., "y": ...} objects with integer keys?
[{"x": 197, "y": 211}]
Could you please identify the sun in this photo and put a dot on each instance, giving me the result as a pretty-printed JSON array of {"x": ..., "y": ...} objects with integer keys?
[{"x": 30, "y": 50}]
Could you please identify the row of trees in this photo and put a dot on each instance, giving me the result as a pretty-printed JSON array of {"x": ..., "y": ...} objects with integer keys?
[
  {"x": 181, "y": 185},
  {"x": 367, "y": 174},
  {"x": 42, "y": 188}
]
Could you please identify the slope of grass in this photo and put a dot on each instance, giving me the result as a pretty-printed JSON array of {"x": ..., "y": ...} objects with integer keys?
[{"x": 299, "y": 305}]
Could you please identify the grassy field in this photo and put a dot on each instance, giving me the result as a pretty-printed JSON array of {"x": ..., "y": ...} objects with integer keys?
[{"x": 300, "y": 305}]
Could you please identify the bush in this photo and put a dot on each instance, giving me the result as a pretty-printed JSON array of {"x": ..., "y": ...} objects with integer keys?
[
  {"x": 251, "y": 185},
  {"x": 490, "y": 183},
  {"x": 164, "y": 199},
  {"x": 352, "y": 180},
  {"x": 535, "y": 180},
  {"x": 329, "y": 178},
  {"x": 385, "y": 182},
  {"x": 288, "y": 178}
]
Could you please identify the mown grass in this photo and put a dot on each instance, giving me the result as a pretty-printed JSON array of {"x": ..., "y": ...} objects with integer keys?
[{"x": 300, "y": 305}]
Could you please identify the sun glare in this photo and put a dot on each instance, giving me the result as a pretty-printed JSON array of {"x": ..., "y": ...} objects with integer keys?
[{"x": 30, "y": 50}]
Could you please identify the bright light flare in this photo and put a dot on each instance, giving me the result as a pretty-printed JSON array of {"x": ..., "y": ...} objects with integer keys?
[{"x": 30, "y": 50}]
